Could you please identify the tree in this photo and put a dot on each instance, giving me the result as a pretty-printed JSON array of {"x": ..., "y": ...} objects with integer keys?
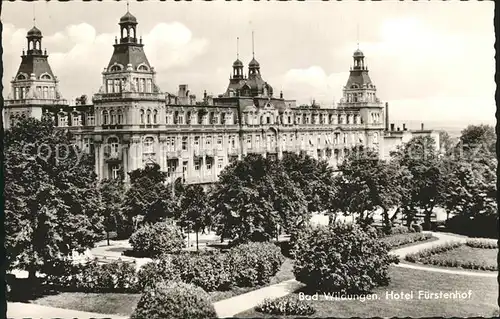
[
  {"x": 446, "y": 142},
  {"x": 252, "y": 197},
  {"x": 313, "y": 177},
  {"x": 367, "y": 183},
  {"x": 478, "y": 138},
  {"x": 52, "y": 207},
  {"x": 113, "y": 194},
  {"x": 194, "y": 209},
  {"x": 148, "y": 197},
  {"x": 426, "y": 186}
]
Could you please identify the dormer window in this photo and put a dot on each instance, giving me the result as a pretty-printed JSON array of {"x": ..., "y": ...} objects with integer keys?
[
  {"x": 45, "y": 77},
  {"x": 143, "y": 67},
  {"x": 21, "y": 77},
  {"x": 115, "y": 68}
]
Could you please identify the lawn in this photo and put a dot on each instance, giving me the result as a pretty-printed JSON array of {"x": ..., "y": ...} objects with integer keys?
[
  {"x": 483, "y": 301},
  {"x": 124, "y": 304},
  {"x": 105, "y": 303}
]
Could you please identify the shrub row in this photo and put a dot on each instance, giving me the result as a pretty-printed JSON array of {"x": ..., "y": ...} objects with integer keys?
[
  {"x": 342, "y": 257},
  {"x": 174, "y": 300},
  {"x": 480, "y": 226},
  {"x": 116, "y": 276},
  {"x": 424, "y": 253},
  {"x": 429, "y": 256},
  {"x": 403, "y": 239},
  {"x": 246, "y": 265},
  {"x": 481, "y": 243},
  {"x": 285, "y": 306}
]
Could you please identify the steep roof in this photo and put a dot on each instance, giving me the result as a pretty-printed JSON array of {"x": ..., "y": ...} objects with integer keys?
[
  {"x": 37, "y": 64},
  {"x": 129, "y": 53},
  {"x": 358, "y": 77}
]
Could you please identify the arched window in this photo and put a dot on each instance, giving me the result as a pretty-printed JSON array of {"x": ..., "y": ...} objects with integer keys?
[
  {"x": 112, "y": 116},
  {"x": 142, "y": 116},
  {"x": 148, "y": 117},
  {"x": 155, "y": 116},
  {"x": 132, "y": 34},
  {"x": 124, "y": 33},
  {"x": 115, "y": 68},
  {"x": 143, "y": 67},
  {"x": 117, "y": 86},
  {"x": 30, "y": 45},
  {"x": 120, "y": 117},
  {"x": 148, "y": 145},
  {"x": 45, "y": 77},
  {"x": 21, "y": 77},
  {"x": 105, "y": 118}
]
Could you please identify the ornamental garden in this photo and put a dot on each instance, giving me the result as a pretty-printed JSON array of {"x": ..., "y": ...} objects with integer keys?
[{"x": 252, "y": 230}]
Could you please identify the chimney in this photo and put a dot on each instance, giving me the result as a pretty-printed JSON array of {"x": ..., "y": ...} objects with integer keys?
[
  {"x": 281, "y": 94},
  {"x": 386, "y": 116},
  {"x": 404, "y": 126},
  {"x": 422, "y": 126},
  {"x": 205, "y": 94},
  {"x": 398, "y": 128},
  {"x": 392, "y": 126}
]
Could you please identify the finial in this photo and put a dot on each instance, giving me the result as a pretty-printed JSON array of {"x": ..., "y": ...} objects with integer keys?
[
  {"x": 34, "y": 16},
  {"x": 357, "y": 35},
  {"x": 128, "y": 4},
  {"x": 237, "y": 47},
  {"x": 253, "y": 47}
]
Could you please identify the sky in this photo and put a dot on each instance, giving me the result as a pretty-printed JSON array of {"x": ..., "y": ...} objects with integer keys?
[{"x": 431, "y": 61}]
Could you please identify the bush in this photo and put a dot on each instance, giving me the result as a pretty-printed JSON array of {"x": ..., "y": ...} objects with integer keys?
[
  {"x": 417, "y": 228},
  {"x": 481, "y": 243},
  {"x": 174, "y": 300},
  {"x": 254, "y": 264},
  {"x": 342, "y": 257},
  {"x": 162, "y": 269},
  {"x": 154, "y": 240},
  {"x": 285, "y": 306},
  {"x": 403, "y": 239},
  {"x": 209, "y": 271},
  {"x": 93, "y": 276}
]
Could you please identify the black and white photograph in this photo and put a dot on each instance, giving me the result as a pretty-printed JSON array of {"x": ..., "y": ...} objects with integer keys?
[{"x": 249, "y": 159}]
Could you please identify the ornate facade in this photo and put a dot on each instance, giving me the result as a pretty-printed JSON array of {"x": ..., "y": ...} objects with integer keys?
[{"x": 132, "y": 122}]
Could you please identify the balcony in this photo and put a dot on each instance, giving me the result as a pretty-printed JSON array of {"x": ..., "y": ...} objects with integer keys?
[
  {"x": 60, "y": 102},
  {"x": 112, "y": 156}
]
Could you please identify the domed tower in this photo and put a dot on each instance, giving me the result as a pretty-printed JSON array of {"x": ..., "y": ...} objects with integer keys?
[
  {"x": 360, "y": 104},
  {"x": 34, "y": 87},
  {"x": 128, "y": 104}
]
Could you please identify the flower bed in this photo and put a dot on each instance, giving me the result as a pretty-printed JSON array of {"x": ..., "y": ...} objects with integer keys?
[
  {"x": 285, "y": 306},
  {"x": 457, "y": 255},
  {"x": 394, "y": 241}
]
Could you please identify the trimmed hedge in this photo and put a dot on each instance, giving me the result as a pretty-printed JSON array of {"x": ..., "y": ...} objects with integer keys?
[
  {"x": 155, "y": 271},
  {"x": 417, "y": 228},
  {"x": 395, "y": 241},
  {"x": 285, "y": 306},
  {"x": 253, "y": 264},
  {"x": 427, "y": 256},
  {"x": 154, "y": 240},
  {"x": 93, "y": 276},
  {"x": 208, "y": 271},
  {"x": 174, "y": 300},
  {"x": 480, "y": 226},
  {"x": 481, "y": 243},
  {"x": 342, "y": 257}
]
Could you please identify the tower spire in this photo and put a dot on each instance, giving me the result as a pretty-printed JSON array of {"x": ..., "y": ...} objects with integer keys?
[
  {"x": 34, "y": 15},
  {"x": 128, "y": 4},
  {"x": 253, "y": 47},
  {"x": 357, "y": 34},
  {"x": 237, "y": 47}
]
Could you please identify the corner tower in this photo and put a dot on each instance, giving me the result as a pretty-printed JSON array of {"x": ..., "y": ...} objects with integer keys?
[
  {"x": 34, "y": 89},
  {"x": 128, "y": 106},
  {"x": 360, "y": 96}
]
